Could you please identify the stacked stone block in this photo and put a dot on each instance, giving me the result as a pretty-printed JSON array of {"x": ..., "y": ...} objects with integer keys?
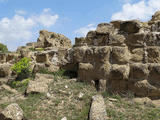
[{"x": 120, "y": 56}]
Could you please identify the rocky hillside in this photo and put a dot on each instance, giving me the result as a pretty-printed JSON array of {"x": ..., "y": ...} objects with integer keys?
[{"x": 112, "y": 73}]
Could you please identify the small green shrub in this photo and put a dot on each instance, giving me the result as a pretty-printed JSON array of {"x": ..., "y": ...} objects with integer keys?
[
  {"x": 22, "y": 68},
  {"x": 32, "y": 49},
  {"x": 39, "y": 49},
  {"x": 36, "y": 49},
  {"x": 3, "y": 48},
  {"x": 15, "y": 84}
]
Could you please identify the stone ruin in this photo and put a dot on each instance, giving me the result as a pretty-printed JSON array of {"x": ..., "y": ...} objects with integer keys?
[
  {"x": 46, "y": 54},
  {"x": 119, "y": 56}
]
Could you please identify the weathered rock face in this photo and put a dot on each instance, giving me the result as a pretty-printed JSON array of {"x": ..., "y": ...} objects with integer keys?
[
  {"x": 39, "y": 84},
  {"x": 98, "y": 110},
  {"x": 123, "y": 55},
  {"x": 9, "y": 57},
  {"x": 12, "y": 112},
  {"x": 48, "y": 52},
  {"x": 50, "y": 39},
  {"x": 5, "y": 69}
]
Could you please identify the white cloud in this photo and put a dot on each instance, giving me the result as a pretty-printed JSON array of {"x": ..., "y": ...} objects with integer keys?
[
  {"x": 84, "y": 30},
  {"x": 20, "y": 12},
  {"x": 19, "y": 30},
  {"x": 46, "y": 18},
  {"x": 142, "y": 10},
  {"x": 46, "y": 10}
]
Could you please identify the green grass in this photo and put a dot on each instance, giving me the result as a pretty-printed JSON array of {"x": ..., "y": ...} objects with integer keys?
[
  {"x": 4, "y": 93},
  {"x": 36, "y": 49},
  {"x": 59, "y": 73},
  {"x": 125, "y": 109},
  {"x": 30, "y": 105},
  {"x": 64, "y": 102}
]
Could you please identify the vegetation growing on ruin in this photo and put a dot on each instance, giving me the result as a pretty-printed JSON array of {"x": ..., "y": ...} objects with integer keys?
[
  {"x": 3, "y": 48},
  {"x": 22, "y": 68}
]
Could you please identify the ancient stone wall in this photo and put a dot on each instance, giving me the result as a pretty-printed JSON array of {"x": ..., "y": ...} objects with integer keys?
[
  {"x": 46, "y": 54},
  {"x": 120, "y": 56}
]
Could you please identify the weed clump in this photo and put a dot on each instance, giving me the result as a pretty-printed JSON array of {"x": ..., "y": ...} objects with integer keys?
[
  {"x": 3, "y": 48},
  {"x": 22, "y": 68}
]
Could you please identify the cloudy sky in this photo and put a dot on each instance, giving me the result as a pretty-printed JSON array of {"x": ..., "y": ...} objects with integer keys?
[{"x": 20, "y": 20}]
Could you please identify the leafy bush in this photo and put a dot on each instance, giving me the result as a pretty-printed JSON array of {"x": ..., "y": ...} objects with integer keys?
[
  {"x": 36, "y": 49},
  {"x": 32, "y": 49},
  {"x": 15, "y": 84},
  {"x": 3, "y": 48},
  {"x": 39, "y": 49},
  {"x": 22, "y": 68}
]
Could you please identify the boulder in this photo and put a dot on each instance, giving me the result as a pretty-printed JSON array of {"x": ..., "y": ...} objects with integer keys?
[
  {"x": 37, "y": 67},
  {"x": 156, "y": 27},
  {"x": 2, "y": 57},
  {"x": 116, "y": 40},
  {"x": 12, "y": 112},
  {"x": 137, "y": 55},
  {"x": 85, "y": 72},
  {"x": 41, "y": 57},
  {"x": 5, "y": 69},
  {"x": 8, "y": 88},
  {"x": 135, "y": 39},
  {"x": 12, "y": 57},
  {"x": 116, "y": 23},
  {"x": 105, "y": 28},
  {"x": 144, "y": 100},
  {"x": 154, "y": 75},
  {"x": 3, "y": 80},
  {"x": 98, "y": 108},
  {"x": 156, "y": 102},
  {"x": 153, "y": 54},
  {"x": 51, "y": 39},
  {"x": 152, "y": 39},
  {"x": 118, "y": 78},
  {"x": 138, "y": 71},
  {"x": 155, "y": 17},
  {"x": 143, "y": 88},
  {"x": 78, "y": 54},
  {"x": 97, "y": 38},
  {"x": 132, "y": 26},
  {"x": 39, "y": 84},
  {"x": 80, "y": 41},
  {"x": 120, "y": 55}
]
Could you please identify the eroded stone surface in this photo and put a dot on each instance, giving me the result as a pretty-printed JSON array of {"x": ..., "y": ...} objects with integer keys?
[
  {"x": 39, "y": 84},
  {"x": 98, "y": 108},
  {"x": 123, "y": 55},
  {"x": 12, "y": 112}
]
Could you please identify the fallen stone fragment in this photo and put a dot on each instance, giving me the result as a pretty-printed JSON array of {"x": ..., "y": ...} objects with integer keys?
[
  {"x": 65, "y": 118},
  {"x": 144, "y": 100},
  {"x": 98, "y": 109},
  {"x": 8, "y": 88},
  {"x": 80, "y": 95},
  {"x": 112, "y": 100},
  {"x": 12, "y": 112},
  {"x": 156, "y": 102},
  {"x": 40, "y": 84},
  {"x": 3, "y": 81}
]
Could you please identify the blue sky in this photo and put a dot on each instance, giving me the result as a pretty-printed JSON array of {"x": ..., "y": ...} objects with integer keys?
[{"x": 20, "y": 20}]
